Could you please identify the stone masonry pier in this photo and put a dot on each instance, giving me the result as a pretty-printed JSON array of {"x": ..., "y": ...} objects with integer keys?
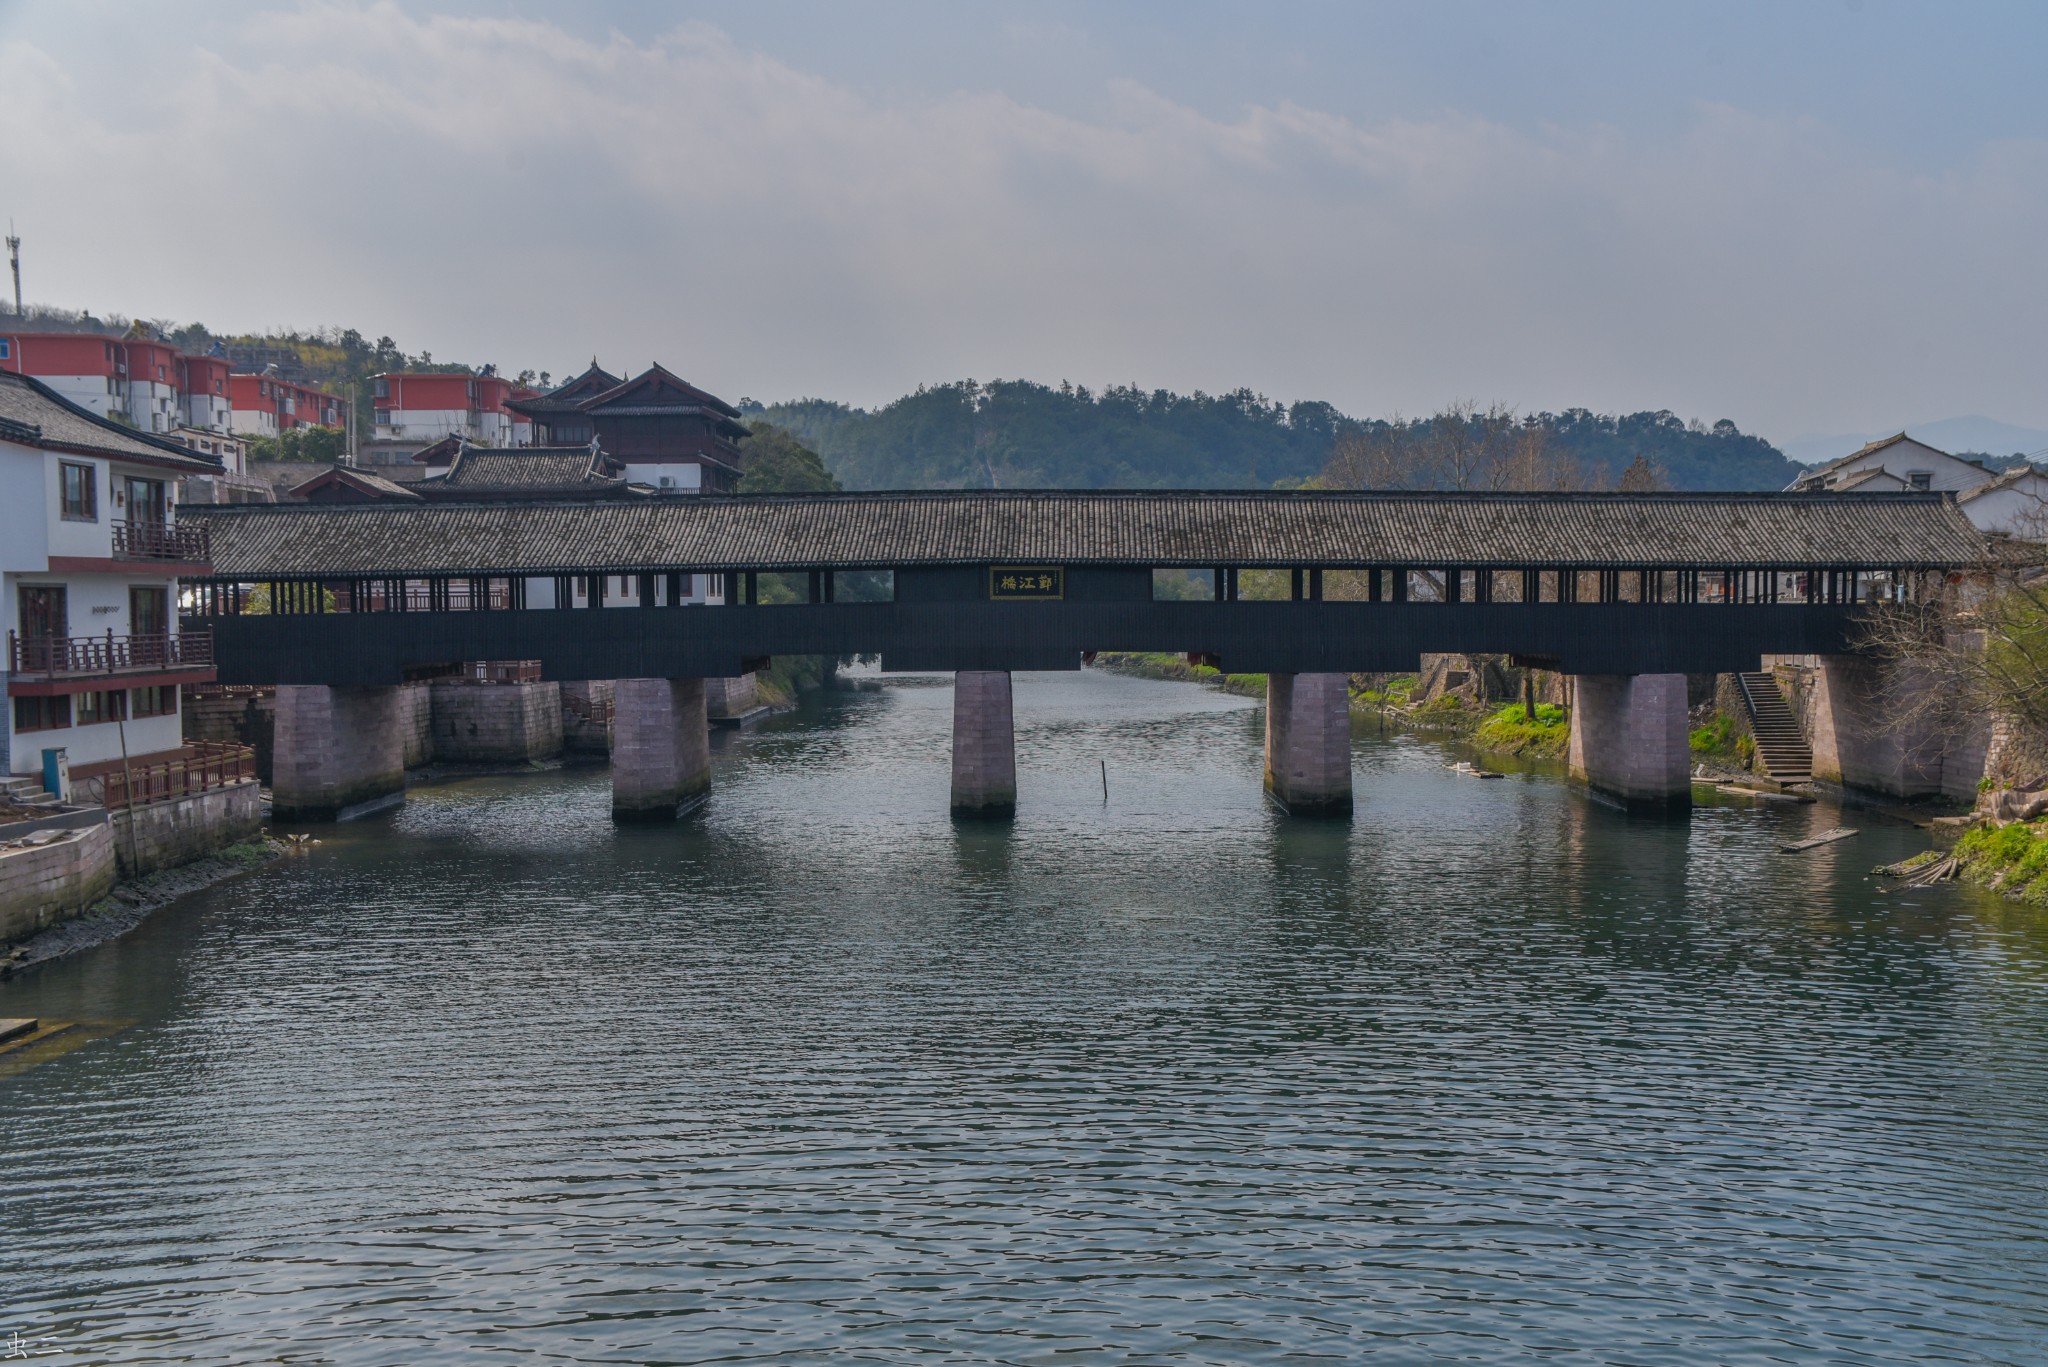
[
  {"x": 1308, "y": 743},
  {"x": 1629, "y": 739},
  {"x": 340, "y": 752},
  {"x": 984, "y": 745},
  {"x": 661, "y": 749}
]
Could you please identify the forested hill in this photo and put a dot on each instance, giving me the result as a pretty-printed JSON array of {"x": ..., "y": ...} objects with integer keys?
[{"x": 1016, "y": 434}]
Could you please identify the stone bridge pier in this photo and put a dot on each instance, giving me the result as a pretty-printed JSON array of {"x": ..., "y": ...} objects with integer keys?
[
  {"x": 1629, "y": 739},
  {"x": 338, "y": 753},
  {"x": 1308, "y": 743},
  {"x": 984, "y": 744},
  {"x": 661, "y": 749}
]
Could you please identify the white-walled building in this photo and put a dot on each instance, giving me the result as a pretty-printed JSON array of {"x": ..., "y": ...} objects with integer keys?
[
  {"x": 1916, "y": 464},
  {"x": 90, "y": 555},
  {"x": 2012, "y": 503}
]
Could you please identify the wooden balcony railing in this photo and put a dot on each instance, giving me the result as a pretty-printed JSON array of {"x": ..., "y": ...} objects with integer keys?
[
  {"x": 79, "y": 657},
  {"x": 203, "y": 766},
  {"x": 187, "y": 542}
]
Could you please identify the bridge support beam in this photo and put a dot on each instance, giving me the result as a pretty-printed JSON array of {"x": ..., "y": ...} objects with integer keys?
[
  {"x": 1308, "y": 743},
  {"x": 984, "y": 745},
  {"x": 1629, "y": 739},
  {"x": 339, "y": 753},
  {"x": 661, "y": 749}
]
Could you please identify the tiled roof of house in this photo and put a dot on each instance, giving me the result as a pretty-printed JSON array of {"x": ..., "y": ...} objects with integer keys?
[
  {"x": 526, "y": 467},
  {"x": 363, "y": 481},
  {"x": 1910, "y": 530},
  {"x": 33, "y": 414},
  {"x": 2018, "y": 474}
]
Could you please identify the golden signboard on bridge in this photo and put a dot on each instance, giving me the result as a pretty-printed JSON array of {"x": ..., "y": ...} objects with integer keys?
[{"x": 1025, "y": 583}]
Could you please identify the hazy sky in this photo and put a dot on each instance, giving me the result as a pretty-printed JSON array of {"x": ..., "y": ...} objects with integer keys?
[{"x": 1821, "y": 216}]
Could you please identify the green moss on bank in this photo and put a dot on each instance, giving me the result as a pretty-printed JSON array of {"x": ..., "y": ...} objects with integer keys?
[
  {"x": 1151, "y": 665},
  {"x": 2011, "y": 859},
  {"x": 1511, "y": 731}
]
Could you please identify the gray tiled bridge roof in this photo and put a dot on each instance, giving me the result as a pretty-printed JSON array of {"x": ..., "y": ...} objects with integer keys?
[{"x": 1899, "y": 530}]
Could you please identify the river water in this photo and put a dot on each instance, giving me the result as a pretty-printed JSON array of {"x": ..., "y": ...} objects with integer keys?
[{"x": 1490, "y": 1073}]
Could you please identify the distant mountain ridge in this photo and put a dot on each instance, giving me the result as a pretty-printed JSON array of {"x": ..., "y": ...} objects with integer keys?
[{"x": 1020, "y": 434}]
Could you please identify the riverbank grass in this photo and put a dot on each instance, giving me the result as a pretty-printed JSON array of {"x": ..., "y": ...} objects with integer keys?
[
  {"x": 2011, "y": 859},
  {"x": 1510, "y": 730}
]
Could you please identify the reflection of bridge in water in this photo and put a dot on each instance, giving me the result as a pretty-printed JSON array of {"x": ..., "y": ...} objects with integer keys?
[{"x": 1627, "y": 592}]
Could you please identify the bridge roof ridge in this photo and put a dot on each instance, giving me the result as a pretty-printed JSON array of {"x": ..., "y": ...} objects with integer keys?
[{"x": 1161, "y": 528}]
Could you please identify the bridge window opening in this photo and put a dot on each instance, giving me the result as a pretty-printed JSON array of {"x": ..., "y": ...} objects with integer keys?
[
  {"x": 1265, "y": 586},
  {"x": 1347, "y": 586},
  {"x": 1420, "y": 586},
  {"x": 781, "y": 587},
  {"x": 863, "y": 586},
  {"x": 1173, "y": 585}
]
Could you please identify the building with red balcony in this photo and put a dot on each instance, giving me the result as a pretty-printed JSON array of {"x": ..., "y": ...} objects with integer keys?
[
  {"x": 418, "y": 407},
  {"x": 90, "y": 555},
  {"x": 267, "y": 404}
]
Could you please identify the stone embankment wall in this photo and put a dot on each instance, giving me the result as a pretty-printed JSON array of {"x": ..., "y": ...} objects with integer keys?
[
  {"x": 1866, "y": 734},
  {"x": 240, "y": 718},
  {"x": 726, "y": 699},
  {"x": 488, "y": 723},
  {"x": 163, "y": 835},
  {"x": 585, "y": 706},
  {"x": 41, "y": 885},
  {"x": 416, "y": 723}
]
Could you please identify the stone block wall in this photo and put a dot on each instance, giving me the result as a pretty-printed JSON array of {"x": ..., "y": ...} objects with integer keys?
[
  {"x": 1852, "y": 708},
  {"x": 1308, "y": 743},
  {"x": 725, "y": 699},
  {"x": 41, "y": 885},
  {"x": 984, "y": 744},
  {"x": 496, "y": 723},
  {"x": 234, "y": 719},
  {"x": 583, "y": 733},
  {"x": 340, "y": 752},
  {"x": 163, "y": 835},
  {"x": 1629, "y": 739},
  {"x": 416, "y": 723},
  {"x": 661, "y": 750}
]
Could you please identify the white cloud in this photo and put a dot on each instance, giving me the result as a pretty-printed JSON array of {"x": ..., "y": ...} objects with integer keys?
[{"x": 505, "y": 190}]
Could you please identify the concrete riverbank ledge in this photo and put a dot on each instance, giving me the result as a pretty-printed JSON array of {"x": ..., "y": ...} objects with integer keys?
[{"x": 661, "y": 749}]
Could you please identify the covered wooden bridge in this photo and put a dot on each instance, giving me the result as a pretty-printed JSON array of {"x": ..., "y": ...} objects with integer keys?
[{"x": 1301, "y": 586}]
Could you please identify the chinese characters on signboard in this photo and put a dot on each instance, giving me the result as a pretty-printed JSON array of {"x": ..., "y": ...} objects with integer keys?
[{"x": 1027, "y": 582}]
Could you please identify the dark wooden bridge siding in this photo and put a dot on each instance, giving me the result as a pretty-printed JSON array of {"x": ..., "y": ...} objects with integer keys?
[{"x": 347, "y": 649}]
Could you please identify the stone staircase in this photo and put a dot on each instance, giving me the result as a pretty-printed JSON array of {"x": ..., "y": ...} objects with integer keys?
[
  {"x": 1780, "y": 744},
  {"x": 25, "y": 792}
]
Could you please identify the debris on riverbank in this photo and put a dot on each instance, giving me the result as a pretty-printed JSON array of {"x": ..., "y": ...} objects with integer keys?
[
  {"x": 131, "y": 902},
  {"x": 1814, "y": 842}
]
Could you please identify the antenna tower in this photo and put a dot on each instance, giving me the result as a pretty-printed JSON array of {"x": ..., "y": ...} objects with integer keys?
[{"x": 14, "y": 260}]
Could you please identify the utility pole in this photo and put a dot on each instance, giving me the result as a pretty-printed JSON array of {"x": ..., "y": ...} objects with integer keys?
[{"x": 14, "y": 260}]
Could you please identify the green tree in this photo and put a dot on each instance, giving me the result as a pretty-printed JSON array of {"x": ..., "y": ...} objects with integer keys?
[{"x": 775, "y": 462}]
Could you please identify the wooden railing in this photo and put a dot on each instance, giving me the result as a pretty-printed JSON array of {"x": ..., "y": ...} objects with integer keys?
[
  {"x": 86, "y": 656},
  {"x": 503, "y": 671},
  {"x": 595, "y": 710},
  {"x": 188, "y": 542},
  {"x": 204, "y": 766}
]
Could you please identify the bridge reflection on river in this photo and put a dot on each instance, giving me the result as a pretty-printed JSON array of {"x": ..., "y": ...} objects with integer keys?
[{"x": 1491, "y": 1072}]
